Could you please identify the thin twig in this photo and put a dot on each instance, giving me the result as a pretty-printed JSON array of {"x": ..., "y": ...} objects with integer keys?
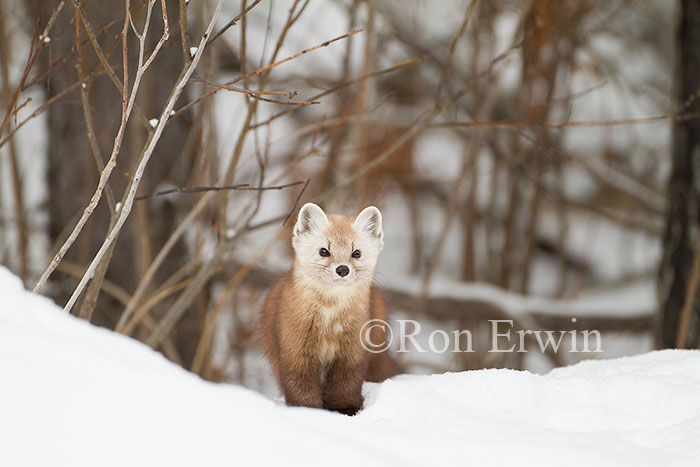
[
  {"x": 87, "y": 113},
  {"x": 258, "y": 71},
  {"x": 346, "y": 84},
  {"x": 450, "y": 55},
  {"x": 272, "y": 101},
  {"x": 201, "y": 189},
  {"x": 584, "y": 123},
  {"x": 289, "y": 94},
  {"x": 190, "y": 190},
  {"x": 233, "y": 21},
  {"x": 103, "y": 59},
  {"x": 31, "y": 59},
  {"x": 296, "y": 202}
]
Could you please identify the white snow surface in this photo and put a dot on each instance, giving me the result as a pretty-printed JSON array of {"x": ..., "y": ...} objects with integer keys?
[{"x": 77, "y": 395}]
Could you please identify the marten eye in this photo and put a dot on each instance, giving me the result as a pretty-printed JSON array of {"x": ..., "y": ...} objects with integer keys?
[
  {"x": 356, "y": 254},
  {"x": 323, "y": 252}
]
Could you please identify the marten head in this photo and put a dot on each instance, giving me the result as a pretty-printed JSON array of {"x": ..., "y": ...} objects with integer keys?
[{"x": 337, "y": 251}]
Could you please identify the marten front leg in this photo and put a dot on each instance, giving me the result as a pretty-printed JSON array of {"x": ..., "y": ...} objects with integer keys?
[
  {"x": 343, "y": 388},
  {"x": 301, "y": 384}
]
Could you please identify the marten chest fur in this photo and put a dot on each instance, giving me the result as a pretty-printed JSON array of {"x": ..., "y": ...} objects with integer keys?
[{"x": 336, "y": 330}]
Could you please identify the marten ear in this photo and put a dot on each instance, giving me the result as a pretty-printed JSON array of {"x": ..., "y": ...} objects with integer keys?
[
  {"x": 370, "y": 221},
  {"x": 311, "y": 217}
]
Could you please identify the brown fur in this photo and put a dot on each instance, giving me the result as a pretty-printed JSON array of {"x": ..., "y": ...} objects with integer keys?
[{"x": 314, "y": 344}]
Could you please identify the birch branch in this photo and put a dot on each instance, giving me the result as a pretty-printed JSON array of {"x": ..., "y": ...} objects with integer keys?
[
  {"x": 127, "y": 107},
  {"x": 148, "y": 151}
]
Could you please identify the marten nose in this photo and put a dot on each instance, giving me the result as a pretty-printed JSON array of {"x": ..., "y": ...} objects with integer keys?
[{"x": 342, "y": 270}]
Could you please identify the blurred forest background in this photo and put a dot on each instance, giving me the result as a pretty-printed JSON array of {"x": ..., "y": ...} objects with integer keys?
[{"x": 534, "y": 160}]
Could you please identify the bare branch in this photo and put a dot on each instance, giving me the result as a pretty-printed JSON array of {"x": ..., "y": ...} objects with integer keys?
[
  {"x": 127, "y": 106},
  {"x": 153, "y": 140},
  {"x": 233, "y": 21},
  {"x": 201, "y": 189},
  {"x": 260, "y": 70}
]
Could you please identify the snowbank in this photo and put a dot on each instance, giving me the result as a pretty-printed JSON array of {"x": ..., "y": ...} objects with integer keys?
[{"x": 76, "y": 395}]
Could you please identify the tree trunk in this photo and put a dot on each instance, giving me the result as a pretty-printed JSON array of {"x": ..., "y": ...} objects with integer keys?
[{"x": 682, "y": 215}]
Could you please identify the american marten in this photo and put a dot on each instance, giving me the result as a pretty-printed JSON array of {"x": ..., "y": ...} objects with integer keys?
[{"x": 313, "y": 318}]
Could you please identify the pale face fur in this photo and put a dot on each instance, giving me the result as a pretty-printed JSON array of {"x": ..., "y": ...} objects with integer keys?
[{"x": 340, "y": 236}]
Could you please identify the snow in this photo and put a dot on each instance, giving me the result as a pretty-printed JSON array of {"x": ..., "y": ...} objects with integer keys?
[
  {"x": 634, "y": 299},
  {"x": 75, "y": 394}
]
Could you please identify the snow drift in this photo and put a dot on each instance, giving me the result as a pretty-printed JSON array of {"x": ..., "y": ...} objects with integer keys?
[{"x": 77, "y": 395}]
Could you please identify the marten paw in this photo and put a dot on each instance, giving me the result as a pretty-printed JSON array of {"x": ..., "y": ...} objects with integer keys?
[
  {"x": 350, "y": 411},
  {"x": 345, "y": 403}
]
